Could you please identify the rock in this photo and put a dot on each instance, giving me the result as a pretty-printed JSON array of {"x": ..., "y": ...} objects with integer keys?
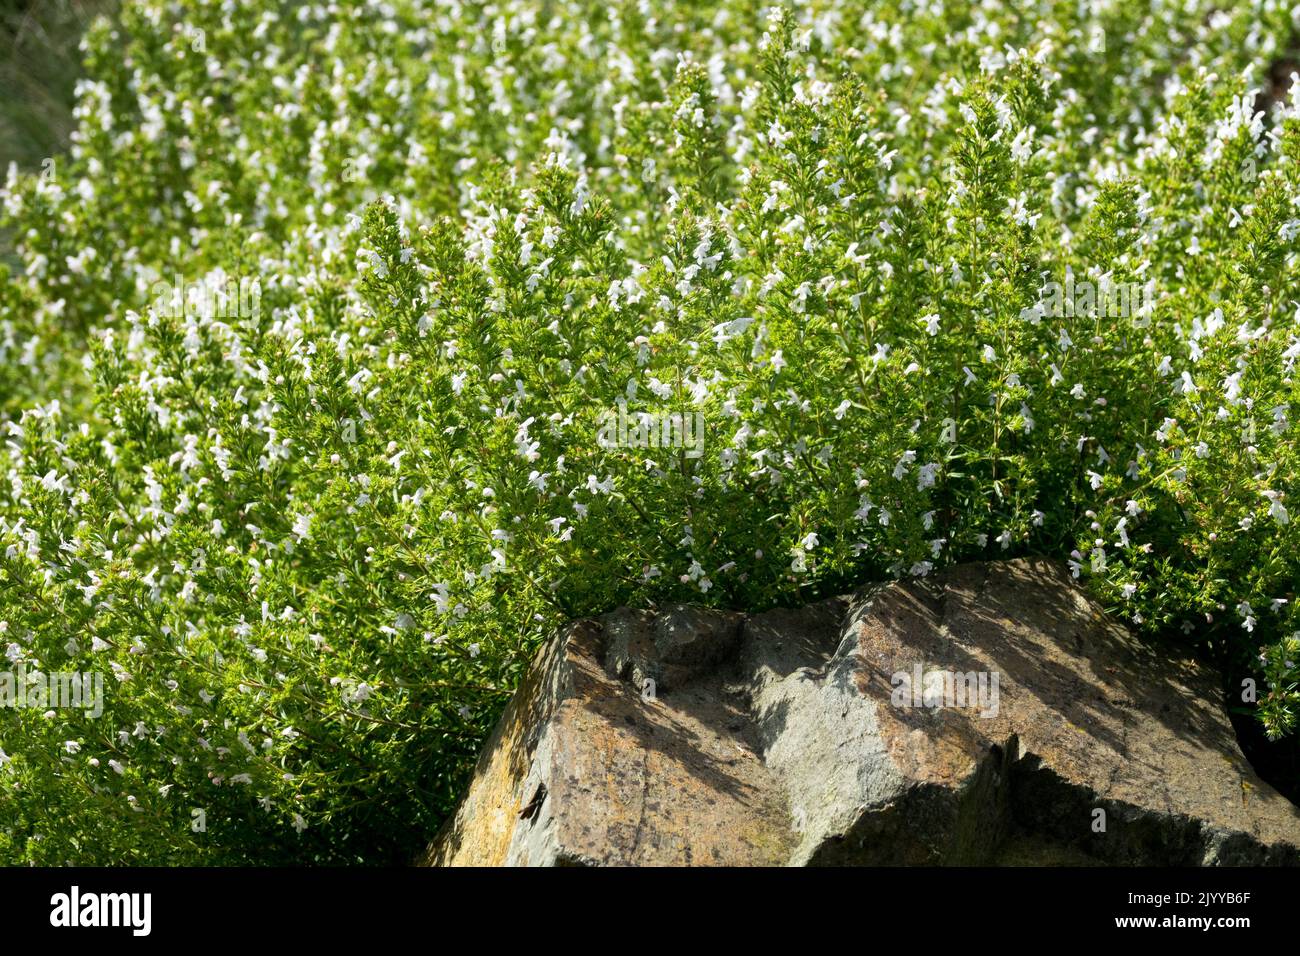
[
  {"x": 989, "y": 714},
  {"x": 587, "y": 768},
  {"x": 668, "y": 649}
]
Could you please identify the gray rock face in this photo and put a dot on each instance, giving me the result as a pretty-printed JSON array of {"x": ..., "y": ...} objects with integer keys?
[{"x": 990, "y": 714}]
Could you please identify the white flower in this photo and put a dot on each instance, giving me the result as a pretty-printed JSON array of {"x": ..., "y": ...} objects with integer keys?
[
  {"x": 925, "y": 476},
  {"x": 726, "y": 331},
  {"x": 1276, "y": 510},
  {"x": 901, "y": 467}
]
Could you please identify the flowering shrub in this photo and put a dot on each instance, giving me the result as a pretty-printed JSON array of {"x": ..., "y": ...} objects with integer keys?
[{"x": 941, "y": 281}]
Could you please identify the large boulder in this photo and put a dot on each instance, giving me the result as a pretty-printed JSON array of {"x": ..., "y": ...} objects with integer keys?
[{"x": 989, "y": 714}]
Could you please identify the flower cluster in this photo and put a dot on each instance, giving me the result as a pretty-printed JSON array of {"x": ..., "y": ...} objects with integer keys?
[{"x": 312, "y": 545}]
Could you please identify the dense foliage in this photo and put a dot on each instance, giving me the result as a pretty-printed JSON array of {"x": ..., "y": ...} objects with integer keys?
[{"x": 311, "y": 539}]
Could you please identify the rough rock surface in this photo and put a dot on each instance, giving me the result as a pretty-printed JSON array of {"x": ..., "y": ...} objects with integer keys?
[{"x": 870, "y": 730}]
